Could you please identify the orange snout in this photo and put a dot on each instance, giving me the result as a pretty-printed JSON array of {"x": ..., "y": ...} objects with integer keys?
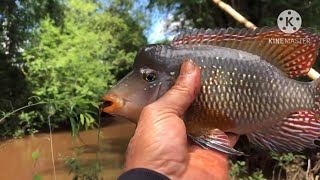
[{"x": 111, "y": 103}]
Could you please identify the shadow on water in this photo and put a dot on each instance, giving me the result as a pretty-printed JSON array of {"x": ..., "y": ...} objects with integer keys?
[{"x": 86, "y": 157}]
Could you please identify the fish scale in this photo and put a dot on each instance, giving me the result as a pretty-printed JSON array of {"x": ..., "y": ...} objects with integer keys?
[
  {"x": 247, "y": 87},
  {"x": 229, "y": 75}
]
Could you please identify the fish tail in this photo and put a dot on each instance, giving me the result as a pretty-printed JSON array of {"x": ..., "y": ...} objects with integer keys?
[{"x": 316, "y": 108}]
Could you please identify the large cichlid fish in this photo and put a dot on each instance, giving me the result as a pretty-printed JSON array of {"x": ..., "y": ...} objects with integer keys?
[{"x": 247, "y": 87}]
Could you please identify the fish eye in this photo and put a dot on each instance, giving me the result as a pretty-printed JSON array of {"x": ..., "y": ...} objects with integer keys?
[{"x": 149, "y": 76}]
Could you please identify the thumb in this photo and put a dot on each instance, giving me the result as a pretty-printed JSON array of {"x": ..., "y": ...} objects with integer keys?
[{"x": 181, "y": 95}]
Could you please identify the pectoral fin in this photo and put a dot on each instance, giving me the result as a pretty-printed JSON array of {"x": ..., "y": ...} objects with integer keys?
[
  {"x": 297, "y": 132},
  {"x": 216, "y": 140}
]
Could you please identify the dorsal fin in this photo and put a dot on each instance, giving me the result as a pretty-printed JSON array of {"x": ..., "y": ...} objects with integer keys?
[{"x": 294, "y": 53}]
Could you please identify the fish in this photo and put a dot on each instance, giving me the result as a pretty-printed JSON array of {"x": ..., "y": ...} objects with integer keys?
[{"x": 249, "y": 87}]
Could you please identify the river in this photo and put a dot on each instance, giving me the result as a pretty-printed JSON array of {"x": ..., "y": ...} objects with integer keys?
[{"x": 31, "y": 157}]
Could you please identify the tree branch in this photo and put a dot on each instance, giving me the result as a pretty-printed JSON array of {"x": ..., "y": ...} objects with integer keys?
[{"x": 313, "y": 74}]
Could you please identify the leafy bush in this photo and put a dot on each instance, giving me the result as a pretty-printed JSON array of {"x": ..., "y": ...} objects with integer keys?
[
  {"x": 238, "y": 170},
  {"x": 69, "y": 67}
]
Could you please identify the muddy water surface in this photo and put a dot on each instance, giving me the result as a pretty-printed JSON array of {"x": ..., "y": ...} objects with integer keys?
[{"x": 86, "y": 156}]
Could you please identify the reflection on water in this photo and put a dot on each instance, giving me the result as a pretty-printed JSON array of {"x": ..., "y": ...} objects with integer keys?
[{"x": 85, "y": 157}]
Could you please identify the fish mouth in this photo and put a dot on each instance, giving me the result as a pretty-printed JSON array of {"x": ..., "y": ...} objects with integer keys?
[
  {"x": 108, "y": 106},
  {"x": 111, "y": 103},
  {"x": 112, "y": 106}
]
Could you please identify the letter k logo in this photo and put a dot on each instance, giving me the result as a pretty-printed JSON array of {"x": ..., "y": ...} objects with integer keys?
[{"x": 289, "y": 21}]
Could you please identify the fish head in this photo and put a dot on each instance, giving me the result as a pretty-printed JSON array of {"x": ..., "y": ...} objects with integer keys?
[{"x": 153, "y": 74}]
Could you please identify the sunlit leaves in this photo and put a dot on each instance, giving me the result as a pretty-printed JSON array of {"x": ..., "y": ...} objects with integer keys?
[{"x": 73, "y": 65}]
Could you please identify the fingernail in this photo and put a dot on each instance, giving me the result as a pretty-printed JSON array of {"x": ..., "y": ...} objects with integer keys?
[{"x": 188, "y": 67}]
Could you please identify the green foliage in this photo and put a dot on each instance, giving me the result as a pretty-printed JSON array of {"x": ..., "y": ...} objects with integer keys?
[
  {"x": 86, "y": 120},
  {"x": 257, "y": 175},
  {"x": 69, "y": 63},
  {"x": 237, "y": 168},
  {"x": 293, "y": 165},
  {"x": 17, "y": 19},
  {"x": 35, "y": 155},
  {"x": 37, "y": 177},
  {"x": 239, "y": 171},
  {"x": 80, "y": 169},
  {"x": 285, "y": 159},
  {"x": 25, "y": 123},
  {"x": 79, "y": 61}
]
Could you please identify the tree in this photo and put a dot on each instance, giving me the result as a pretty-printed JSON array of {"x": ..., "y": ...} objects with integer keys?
[
  {"x": 205, "y": 14},
  {"x": 18, "y": 19},
  {"x": 71, "y": 65}
]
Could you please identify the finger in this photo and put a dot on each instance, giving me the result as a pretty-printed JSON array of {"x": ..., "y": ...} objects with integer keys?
[{"x": 182, "y": 94}]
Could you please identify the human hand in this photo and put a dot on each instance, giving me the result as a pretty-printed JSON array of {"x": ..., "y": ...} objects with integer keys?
[{"x": 160, "y": 140}]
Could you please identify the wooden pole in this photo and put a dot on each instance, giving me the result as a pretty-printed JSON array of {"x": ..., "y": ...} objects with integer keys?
[{"x": 313, "y": 74}]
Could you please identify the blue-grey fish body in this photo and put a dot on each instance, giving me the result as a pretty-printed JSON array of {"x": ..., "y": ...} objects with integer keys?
[{"x": 247, "y": 87}]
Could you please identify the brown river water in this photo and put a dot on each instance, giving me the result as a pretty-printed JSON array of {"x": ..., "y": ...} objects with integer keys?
[{"x": 85, "y": 155}]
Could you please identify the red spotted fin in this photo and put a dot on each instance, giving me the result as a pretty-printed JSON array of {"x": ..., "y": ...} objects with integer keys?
[
  {"x": 295, "y": 133},
  {"x": 316, "y": 86},
  {"x": 294, "y": 54}
]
